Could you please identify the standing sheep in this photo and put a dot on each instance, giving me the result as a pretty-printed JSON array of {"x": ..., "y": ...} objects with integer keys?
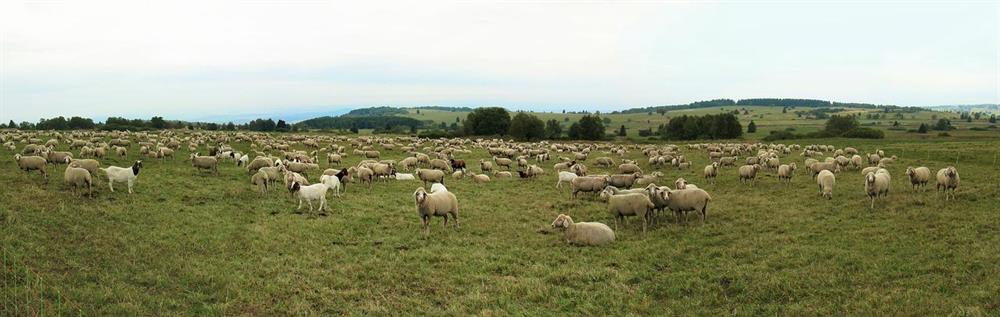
[
  {"x": 684, "y": 200},
  {"x": 919, "y": 177},
  {"x": 565, "y": 176},
  {"x": 748, "y": 173},
  {"x": 711, "y": 171},
  {"x": 592, "y": 184},
  {"x": 584, "y": 233},
  {"x": 825, "y": 180},
  {"x": 31, "y": 163},
  {"x": 440, "y": 204},
  {"x": 79, "y": 177},
  {"x": 205, "y": 162},
  {"x": 786, "y": 171},
  {"x": 947, "y": 180},
  {"x": 630, "y": 205},
  {"x": 877, "y": 185},
  {"x": 430, "y": 175}
]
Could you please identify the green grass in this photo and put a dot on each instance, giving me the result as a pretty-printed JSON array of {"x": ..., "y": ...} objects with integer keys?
[{"x": 190, "y": 243}]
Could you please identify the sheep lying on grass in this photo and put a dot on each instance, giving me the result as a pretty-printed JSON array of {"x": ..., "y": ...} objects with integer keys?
[
  {"x": 440, "y": 204},
  {"x": 584, "y": 233}
]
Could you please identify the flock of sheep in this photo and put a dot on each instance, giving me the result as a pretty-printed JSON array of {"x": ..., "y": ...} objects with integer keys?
[{"x": 288, "y": 161}]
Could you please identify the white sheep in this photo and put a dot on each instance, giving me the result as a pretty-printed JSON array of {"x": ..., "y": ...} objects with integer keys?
[
  {"x": 31, "y": 163},
  {"x": 584, "y": 233},
  {"x": 786, "y": 171},
  {"x": 79, "y": 177},
  {"x": 877, "y": 185},
  {"x": 440, "y": 204},
  {"x": 682, "y": 183},
  {"x": 127, "y": 175},
  {"x": 333, "y": 182},
  {"x": 711, "y": 171},
  {"x": 260, "y": 179},
  {"x": 565, "y": 176},
  {"x": 587, "y": 184},
  {"x": 683, "y": 200},
  {"x": 825, "y": 180},
  {"x": 748, "y": 173},
  {"x": 309, "y": 194},
  {"x": 633, "y": 204},
  {"x": 438, "y": 188},
  {"x": 947, "y": 180},
  {"x": 405, "y": 177},
  {"x": 919, "y": 177}
]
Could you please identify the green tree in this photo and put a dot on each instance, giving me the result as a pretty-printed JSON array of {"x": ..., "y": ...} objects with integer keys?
[
  {"x": 922, "y": 128},
  {"x": 622, "y": 131},
  {"x": 553, "y": 130},
  {"x": 12, "y": 125},
  {"x": 526, "y": 127},
  {"x": 993, "y": 119},
  {"x": 282, "y": 126},
  {"x": 487, "y": 121},
  {"x": 158, "y": 123},
  {"x": 943, "y": 125},
  {"x": 588, "y": 128},
  {"x": 752, "y": 127},
  {"x": 838, "y": 125},
  {"x": 78, "y": 123}
]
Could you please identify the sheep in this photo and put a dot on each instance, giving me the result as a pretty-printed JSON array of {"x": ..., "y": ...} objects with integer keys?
[
  {"x": 870, "y": 169},
  {"x": 587, "y": 184},
  {"x": 480, "y": 178},
  {"x": 748, "y": 173},
  {"x": 919, "y": 177},
  {"x": 273, "y": 173},
  {"x": 333, "y": 182},
  {"x": 366, "y": 175},
  {"x": 502, "y": 174},
  {"x": 647, "y": 179},
  {"x": 333, "y": 158},
  {"x": 683, "y": 165},
  {"x": 301, "y": 168},
  {"x": 505, "y": 162},
  {"x": 31, "y": 163},
  {"x": 561, "y": 166},
  {"x": 90, "y": 165},
  {"x": 565, "y": 177},
  {"x": 165, "y": 152},
  {"x": 342, "y": 175},
  {"x": 629, "y": 168},
  {"x": 815, "y": 168},
  {"x": 682, "y": 183},
  {"x": 372, "y": 154},
  {"x": 440, "y": 164},
  {"x": 728, "y": 161},
  {"x": 205, "y": 162},
  {"x": 609, "y": 191},
  {"x": 683, "y": 200},
  {"x": 59, "y": 157},
  {"x": 623, "y": 180},
  {"x": 584, "y": 233},
  {"x": 604, "y": 161},
  {"x": 947, "y": 179},
  {"x": 79, "y": 177},
  {"x": 430, "y": 175},
  {"x": 127, "y": 175},
  {"x": 786, "y": 171},
  {"x": 579, "y": 169},
  {"x": 825, "y": 180},
  {"x": 438, "y": 187},
  {"x": 877, "y": 185},
  {"x": 309, "y": 194},
  {"x": 440, "y": 204},
  {"x": 457, "y": 164},
  {"x": 258, "y": 163},
  {"x": 383, "y": 171},
  {"x": 630, "y": 205},
  {"x": 485, "y": 166},
  {"x": 711, "y": 171},
  {"x": 261, "y": 180},
  {"x": 243, "y": 160},
  {"x": 457, "y": 175},
  {"x": 291, "y": 177},
  {"x": 405, "y": 177}
]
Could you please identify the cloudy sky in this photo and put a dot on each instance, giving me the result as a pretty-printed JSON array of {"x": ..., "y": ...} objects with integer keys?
[{"x": 212, "y": 59}]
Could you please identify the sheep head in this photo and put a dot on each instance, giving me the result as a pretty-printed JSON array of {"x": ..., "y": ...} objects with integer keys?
[
  {"x": 420, "y": 195},
  {"x": 562, "y": 221}
]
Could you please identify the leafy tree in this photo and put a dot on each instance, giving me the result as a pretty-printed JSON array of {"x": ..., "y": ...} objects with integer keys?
[
  {"x": 943, "y": 125},
  {"x": 157, "y": 123},
  {"x": 354, "y": 129},
  {"x": 993, "y": 119},
  {"x": 78, "y": 123},
  {"x": 57, "y": 123},
  {"x": 525, "y": 127},
  {"x": 588, "y": 128},
  {"x": 752, "y": 127},
  {"x": 719, "y": 126},
  {"x": 622, "y": 131},
  {"x": 838, "y": 125},
  {"x": 458, "y": 119},
  {"x": 282, "y": 126},
  {"x": 487, "y": 121},
  {"x": 12, "y": 125},
  {"x": 230, "y": 126},
  {"x": 923, "y": 128},
  {"x": 553, "y": 130}
]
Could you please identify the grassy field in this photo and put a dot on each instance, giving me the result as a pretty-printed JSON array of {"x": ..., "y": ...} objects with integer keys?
[
  {"x": 191, "y": 243},
  {"x": 766, "y": 118}
]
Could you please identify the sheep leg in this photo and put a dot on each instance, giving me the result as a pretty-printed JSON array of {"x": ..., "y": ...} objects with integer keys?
[
  {"x": 111, "y": 184},
  {"x": 300, "y": 204},
  {"x": 455, "y": 215}
]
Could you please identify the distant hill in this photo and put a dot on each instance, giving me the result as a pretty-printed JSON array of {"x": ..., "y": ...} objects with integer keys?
[{"x": 986, "y": 107}]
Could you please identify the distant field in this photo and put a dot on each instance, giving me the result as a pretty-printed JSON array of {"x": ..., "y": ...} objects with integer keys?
[
  {"x": 191, "y": 243},
  {"x": 766, "y": 119}
]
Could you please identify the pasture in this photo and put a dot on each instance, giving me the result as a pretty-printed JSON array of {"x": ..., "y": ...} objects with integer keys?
[{"x": 193, "y": 243}]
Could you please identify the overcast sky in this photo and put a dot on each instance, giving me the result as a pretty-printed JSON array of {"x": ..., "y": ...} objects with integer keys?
[{"x": 196, "y": 59}]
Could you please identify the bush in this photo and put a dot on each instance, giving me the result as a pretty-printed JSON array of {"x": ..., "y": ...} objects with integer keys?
[
  {"x": 781, "y": 135},
  {"x": 944, "y": 134},
  {"x": 864, "y": 133}
]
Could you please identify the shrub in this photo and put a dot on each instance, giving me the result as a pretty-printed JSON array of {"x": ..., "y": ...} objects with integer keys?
[{"x": 864, "y": 133}]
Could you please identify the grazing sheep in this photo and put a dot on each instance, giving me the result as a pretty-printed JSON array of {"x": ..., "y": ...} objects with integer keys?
[
  {"x": 372, "y": 154},
  {"x": 919, "y": 177},
  {"x": 430, "y": 175},
  {"x": 877, "y": 185},
  {"x": 947, "y": 180},
  {"x": 728, "y": 161},
  {"x": 565, "y": 177},
  {"x": 592, "y": 184},
  {"x": 301, "y": 168},
  {"x": 205, "y": 162},
  {"x": 309, "y": 194},
  {"x": 604, "y": 161},
  {"x": 59, "y": 157},
  {"x": 291, "y": 177},
  {"x": 647, "y": 179},
  {"x": 584, "y": 233},
  {"x": 31, "y": 163},
  {"x": 90, "y": 165},
  {"x": 480, "y": 178},
  {"x": 561, "y": 166},
  {"x": 260, "y": 179},
  {"x": 440, "y": 164},
  {"x": 333, "y": 182},
  {"x": 258, "y": 163},
  {"x": 366, "y": 175},
  {"x": 748, "y": 173},
  {"x": 405, "y": 177},
  {"x": 485, "y": 166},
  {"x": 243, "y": 160},
  {"x": 505, "y": 162},
  {"x": 711, "y": 171},
  {"x": 334, "y": 158},
  {"x": 630, "y": 205},
  {"x": 683, "y": 200},
  {"x": 79, "y": 177},
  {"x": 825, "y": 180},
  {"x": 457, "y": 164},
  {"x": 579, "y": 169},
  {"x": 127, "y": 175},
  {"x": 623, "y": 180},
  {"x": 440, "y": 204},
  {"x": 786, "y": 171},
  {"x": 609, "y": 191},
  {"x": 815, "y": 168},
  {"x": 629, "y": 168}
]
